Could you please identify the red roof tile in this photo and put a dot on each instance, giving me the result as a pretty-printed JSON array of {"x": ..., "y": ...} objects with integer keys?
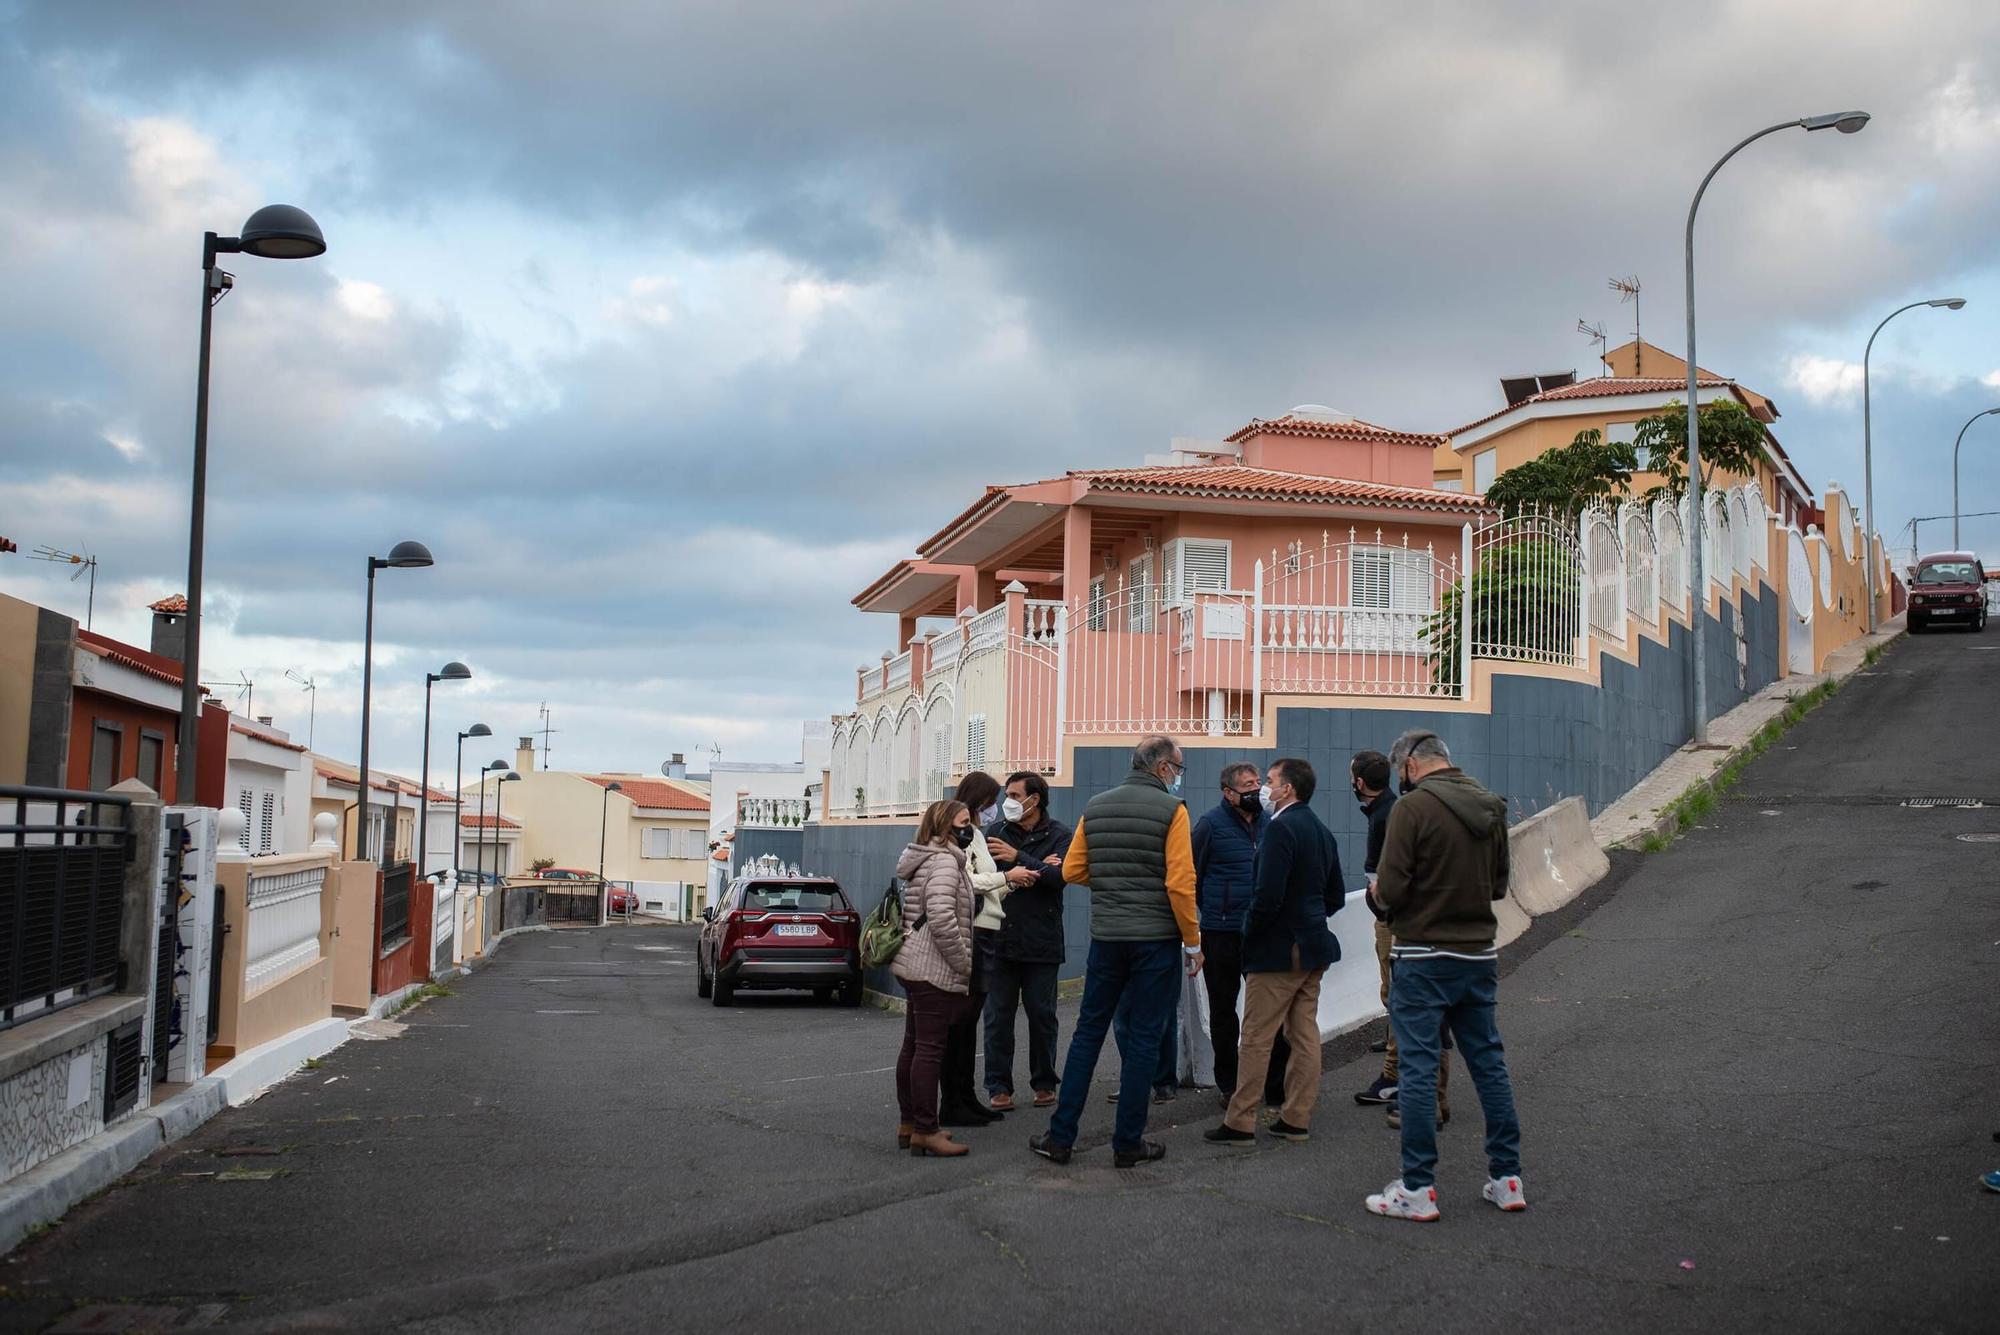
[
  {"x": 1238, "y": 483},
  {"x": 1600, "y": 387},
  {"x": 1331, "y": 428},
  {"x": 125, "y": 655},
  {"x": 238, "y": 725},
  {"x": 473, "y": 820},
  {"x": 173, "y": 602},
  {"x": 655, "y": 795}
]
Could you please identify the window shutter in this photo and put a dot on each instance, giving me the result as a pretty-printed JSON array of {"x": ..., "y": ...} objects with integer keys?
[
  {"x": 1410, "y": 581},
  {"x": 1370, "y": 578},
  {"x": 1095, "y": 619},
  {"x": 267, "y": 821},
  {"x": 1139, "y": 588},
  {"x": 975, "y": 742},
  {"x": 1175, "y": 591},
  {"x": 1206, "y": 564}
]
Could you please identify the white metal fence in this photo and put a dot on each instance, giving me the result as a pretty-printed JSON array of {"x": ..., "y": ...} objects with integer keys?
[{"x": 1355, "y": 617}]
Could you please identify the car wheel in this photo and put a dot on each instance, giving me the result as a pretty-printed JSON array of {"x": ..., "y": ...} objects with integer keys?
[
  {"x": 724, "y": 994},
  {"x": 822, "y": 995},
  {"x": 703, "y": 984}
]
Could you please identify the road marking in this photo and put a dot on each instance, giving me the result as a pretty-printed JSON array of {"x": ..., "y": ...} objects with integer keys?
[
  {"x": 833, "y": 1075},
  {"x": 582, "y": 1013}
]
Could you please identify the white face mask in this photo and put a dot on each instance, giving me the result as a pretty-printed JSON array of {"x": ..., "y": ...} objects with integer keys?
[
  {"x": 1012, "y": 810},
  {"x": 1264, "y": 796}
]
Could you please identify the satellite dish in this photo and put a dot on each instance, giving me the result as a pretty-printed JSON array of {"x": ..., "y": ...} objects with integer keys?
[{"x": 666, "y": 769}]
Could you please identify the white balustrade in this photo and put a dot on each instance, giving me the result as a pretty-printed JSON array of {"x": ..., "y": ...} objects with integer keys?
[
  {"x": 896, "y": 672},
  {"x": 283, "y": 935}
]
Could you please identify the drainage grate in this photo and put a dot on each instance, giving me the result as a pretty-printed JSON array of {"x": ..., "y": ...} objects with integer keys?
[{"x": 1960, "y": 803}]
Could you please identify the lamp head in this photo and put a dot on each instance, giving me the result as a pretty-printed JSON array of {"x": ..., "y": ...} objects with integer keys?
[
  {"x": 1949, "y": 303},
  {"x": 451, "y": 672},
  {"x": 476, "y": 730},
  {"x": 616, "y": 787},
  {"x": 510, "y": 777},
  {"x": 1847, "y": 122},
  {"x": 282, "y": 232},
  {"x": 496, "y": 767},
  {"x": 405, "y": 556}
]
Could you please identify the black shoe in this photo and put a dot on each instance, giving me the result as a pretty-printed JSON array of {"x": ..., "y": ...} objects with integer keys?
[
  {"x": 1380, "y": 1090},
  {"x": 1379, "y": 1045},
  {"x": 1149, "y": 1151},
  {"x": 1284, "y": 1130},
  {"x": 1165, "y": 1094},
  {"x": 1048, "y": 1149},
  {"x": 966, "y": 1114},
  {"x": 1228, "y": 1135}
]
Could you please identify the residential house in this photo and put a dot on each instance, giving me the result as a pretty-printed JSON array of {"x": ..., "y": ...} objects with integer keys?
[
  {"x": 125, "y": 721},
  {"x": 768, "y": 796},
  {"x": 1547, "y": 412},
  {"x": 37, "y": 649},
  {"x": 393, "y": 805},
  {"x": 270, "y": 779},
  {"x": 652, "y": 832}
]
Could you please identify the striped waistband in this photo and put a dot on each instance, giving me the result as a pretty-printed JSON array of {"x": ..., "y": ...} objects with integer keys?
[{"x": 1413, "y": 951}]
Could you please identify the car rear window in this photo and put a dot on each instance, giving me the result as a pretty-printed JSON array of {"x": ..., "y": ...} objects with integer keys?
[
  {"x": 1948, "y": 572},
  {"x": 781, "y": 897}
]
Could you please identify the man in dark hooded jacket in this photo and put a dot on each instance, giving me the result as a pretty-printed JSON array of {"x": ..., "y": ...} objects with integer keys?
[{"x": 1444, "y": 863}]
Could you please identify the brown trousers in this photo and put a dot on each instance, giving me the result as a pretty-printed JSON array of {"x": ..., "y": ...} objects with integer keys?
[
  {"x": 1287, "y": 1001},
  {"x": 1383, "y": 940}
]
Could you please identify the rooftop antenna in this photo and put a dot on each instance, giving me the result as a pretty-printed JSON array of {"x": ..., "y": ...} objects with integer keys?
[
  {"x": 547, "y": 731},
  {"x": 1628, "y": 290},
  {"x": 85, "y": 564},
  {"x": 1595, "y": 333},
  {"x": 311, "y": 688},
  {"x": 246, "y": 690},
  {"x": 714, "y": 756}
]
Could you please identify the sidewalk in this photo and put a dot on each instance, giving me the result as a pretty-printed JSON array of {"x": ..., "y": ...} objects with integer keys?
[{"x": 1632, "y": 817}]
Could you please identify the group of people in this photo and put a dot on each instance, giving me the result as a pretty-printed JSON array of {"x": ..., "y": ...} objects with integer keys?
[{"x": 1241, "y": 900}]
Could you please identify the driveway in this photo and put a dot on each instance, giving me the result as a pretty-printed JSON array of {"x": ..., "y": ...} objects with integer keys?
[{"x": 1757, "y": 1076}]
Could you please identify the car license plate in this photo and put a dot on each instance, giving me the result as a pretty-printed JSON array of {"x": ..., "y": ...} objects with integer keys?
[
  {"x": 1944, "y": 611},
  {"x": 797, "y": 929}
]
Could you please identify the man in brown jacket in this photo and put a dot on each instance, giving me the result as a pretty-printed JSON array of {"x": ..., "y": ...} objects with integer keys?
[{"x": 1444, "y": 862}]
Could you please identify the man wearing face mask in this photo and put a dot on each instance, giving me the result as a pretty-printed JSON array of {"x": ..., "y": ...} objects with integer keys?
[
  {"x": 1444, "y": 863},
  {"x": 1225, "y": 850},
  {"x": 1287, "y": 948},
  {"x": 1132, "y": 850},
  {"x": 1027, "y": 845}
]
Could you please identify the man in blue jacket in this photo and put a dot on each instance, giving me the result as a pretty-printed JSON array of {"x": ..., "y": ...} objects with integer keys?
[
  {"x": 1225, "y": 849},
  {"x": 1286, "y": 948}
]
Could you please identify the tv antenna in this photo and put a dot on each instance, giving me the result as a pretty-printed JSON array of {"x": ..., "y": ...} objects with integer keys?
[
  {"x": 1628, "y": 290},
  {"x": 547, "y": 730},
  {"x": 1595, "y": 333},
  {"x": 246, "y": 690},
  {"x": 311, "y": 688},
  {"x": 85, "y": 565}
]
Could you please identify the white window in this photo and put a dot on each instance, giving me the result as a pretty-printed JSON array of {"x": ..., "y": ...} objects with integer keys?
[
  {"x": 1450, "y": 484},
  {"x": 1196, "y": 565},
  {"x": 1483, "y": 465},
  {"x": 666, "y": 841},
  {"x": 975, "y": 742},
  {"x": 267, "y": 820},
  {"x": 656, "y": 842},
  {"x": 1627, "y": 433},
  {"x": 1094, "y": 619},
  {"x": 1139, "y": 589}
]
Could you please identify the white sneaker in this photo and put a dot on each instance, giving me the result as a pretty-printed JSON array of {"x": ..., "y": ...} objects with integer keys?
[
  {"x": 1506, "y": 1193},
  {"x": 1397, "y": 1202}
]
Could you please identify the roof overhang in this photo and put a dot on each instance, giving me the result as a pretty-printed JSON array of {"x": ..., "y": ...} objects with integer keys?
[
  {"x": 1595, "y": 405},
  {"x": 989, "y": 529},
  {"x": 913, "y": 588},
  {"x": 1341, "y": 507}
]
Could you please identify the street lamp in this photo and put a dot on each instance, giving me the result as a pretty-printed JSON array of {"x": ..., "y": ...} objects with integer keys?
[
  {"x": 1954, "y": 473},
  {"x": 458, "y": 794},
  {"x": 479, "y": 845},
  {"x": 403, "y": 556},
  {"x": 603, "y": 819},
  {"x": 509, "y": 777},
  {"x": 275, "y": 232},
  {"x": 449, "y": 672},
  {"x": 1868, "y": 450},
  {"x": 1847, "y": 122}
]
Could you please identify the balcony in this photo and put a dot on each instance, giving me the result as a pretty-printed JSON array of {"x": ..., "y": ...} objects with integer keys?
[{"x": 772, "y": 812}]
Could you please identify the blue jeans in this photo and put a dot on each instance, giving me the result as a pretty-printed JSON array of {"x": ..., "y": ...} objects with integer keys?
[
  {"x": 1166, "y": 1070},
  {"x": 1142, "y": 979},
  {"x": 1426, "y": 996}
]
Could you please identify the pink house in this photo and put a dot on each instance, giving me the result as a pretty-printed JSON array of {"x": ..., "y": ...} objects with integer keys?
[{"x": 1304, "y": 555}]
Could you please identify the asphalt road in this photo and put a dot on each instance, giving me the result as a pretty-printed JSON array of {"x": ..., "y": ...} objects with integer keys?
[{"x": 1757, "y": 1078}]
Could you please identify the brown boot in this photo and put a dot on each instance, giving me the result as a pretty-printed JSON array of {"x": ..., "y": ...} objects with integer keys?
[
  {"x": 903, "y": 1133},
  {"x": 938, "y": 1143}
]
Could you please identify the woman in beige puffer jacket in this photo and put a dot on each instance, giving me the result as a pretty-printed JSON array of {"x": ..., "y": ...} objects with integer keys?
[{"x": 935, "y": 966}]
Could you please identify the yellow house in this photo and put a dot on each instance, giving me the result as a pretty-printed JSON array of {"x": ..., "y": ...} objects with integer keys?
[
  {"x": 1547, "y": 412},
  {"x": 654, "y": 831}
]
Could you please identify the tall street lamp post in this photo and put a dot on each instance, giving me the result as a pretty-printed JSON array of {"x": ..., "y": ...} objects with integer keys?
[
  {"x": 1847, "y": 122},
  {"x": 1954, "y": 474},
  {"x": 1868, "y": 450},
  {"x": 449, "y": 672},
  {"x": 479, "y": 846},
  {"x": 603, "y": 820},
  {"x": 274, "y": 232},
  {"x": 403, "y": 556},
  {"x": 509, "y": 777},
  {"x": 458, "y": 794}
]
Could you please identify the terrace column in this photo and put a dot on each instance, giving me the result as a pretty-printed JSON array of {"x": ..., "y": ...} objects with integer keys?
[
  {"x": 1076, "y": 556},
  {"x": 919, "y": 660}
]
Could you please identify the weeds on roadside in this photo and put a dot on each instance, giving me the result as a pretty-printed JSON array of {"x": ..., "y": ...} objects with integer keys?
[
  {"x": 1701, "y": 800},
  {"x": 424, "y": 993}
]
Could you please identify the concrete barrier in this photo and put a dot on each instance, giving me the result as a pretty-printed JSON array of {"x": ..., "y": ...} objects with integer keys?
[{"x": 1555, "y": 858}]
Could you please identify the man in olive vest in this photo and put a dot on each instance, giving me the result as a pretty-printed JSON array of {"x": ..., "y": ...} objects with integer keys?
[{"x": 1132, "y": 852}]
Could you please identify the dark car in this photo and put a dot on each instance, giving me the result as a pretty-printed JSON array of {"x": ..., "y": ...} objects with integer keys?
[
  {"x": 780, "y": 932},
  {"x": 1948, "y": 589}
]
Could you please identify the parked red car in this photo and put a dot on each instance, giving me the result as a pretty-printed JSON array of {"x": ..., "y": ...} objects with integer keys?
[
  {"x": 621, "y": 898},
  {"x": 1948, "y": 589},
  {"x": 780, "y": 932}
]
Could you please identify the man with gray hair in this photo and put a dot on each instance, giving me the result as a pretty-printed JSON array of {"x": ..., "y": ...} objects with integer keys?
[
  {"x": 1444, "y": 863},
  {"x": 1132, "y": 852}
]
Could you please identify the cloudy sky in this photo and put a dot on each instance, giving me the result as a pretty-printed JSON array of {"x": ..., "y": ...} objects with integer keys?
[{"x": 668, "y": 327}]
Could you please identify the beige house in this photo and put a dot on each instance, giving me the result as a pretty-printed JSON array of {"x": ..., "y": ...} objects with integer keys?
[{"x": 653, "y": 831}]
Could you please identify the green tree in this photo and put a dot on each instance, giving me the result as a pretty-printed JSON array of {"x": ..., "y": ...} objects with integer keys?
[
  {"x": 1565, "y": 480},
  {"x": 1524, "y": 607},
  {"x": 1732, "y": 441}
]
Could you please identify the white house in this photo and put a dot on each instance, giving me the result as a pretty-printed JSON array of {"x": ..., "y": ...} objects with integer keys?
[{"x": 269, "y": 779}]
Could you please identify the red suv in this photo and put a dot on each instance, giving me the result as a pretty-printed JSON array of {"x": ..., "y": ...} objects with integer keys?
[
  {"x": 1949, "y": 589},
  {"x": 780, "y": 932}
]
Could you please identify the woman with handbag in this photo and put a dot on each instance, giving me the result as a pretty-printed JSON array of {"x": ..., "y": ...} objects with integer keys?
[
  {"x": 935, "y": 966},
  {"x": 958, "y": 1099}
]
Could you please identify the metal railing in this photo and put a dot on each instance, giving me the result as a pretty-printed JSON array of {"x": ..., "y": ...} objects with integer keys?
[
  {"x": 396, "y": 882},
  {"x": 63, "y": 856}
]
